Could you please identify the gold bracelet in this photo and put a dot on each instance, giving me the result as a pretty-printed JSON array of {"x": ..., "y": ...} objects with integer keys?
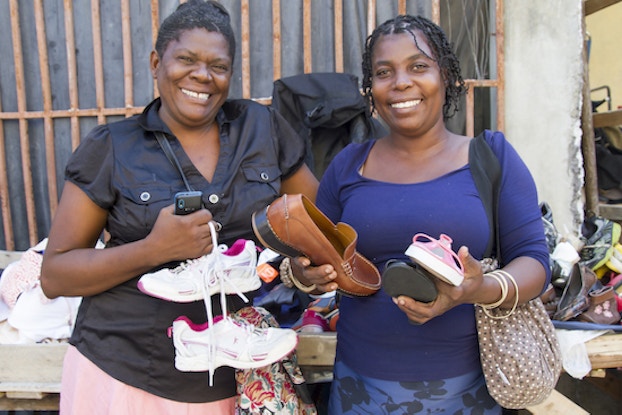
[
  {"x": 502, "y": 277},
  {"x": 513, "y": 281},
  {"x": 504, "y": 290}
]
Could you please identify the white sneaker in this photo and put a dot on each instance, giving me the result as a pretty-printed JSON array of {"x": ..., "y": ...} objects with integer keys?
[
  {"x": 201, "y": 347},
  {"x": 235, "y": 266}
]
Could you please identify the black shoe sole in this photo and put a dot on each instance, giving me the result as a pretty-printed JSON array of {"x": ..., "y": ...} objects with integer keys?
[{"x": 409, "y": 279}]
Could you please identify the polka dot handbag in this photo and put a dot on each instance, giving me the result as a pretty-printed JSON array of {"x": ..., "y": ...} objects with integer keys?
[{"x": 520, "y": 354}]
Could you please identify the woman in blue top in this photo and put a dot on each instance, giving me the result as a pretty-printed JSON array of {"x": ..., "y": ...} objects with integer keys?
[{"x": 397, "y": 355}]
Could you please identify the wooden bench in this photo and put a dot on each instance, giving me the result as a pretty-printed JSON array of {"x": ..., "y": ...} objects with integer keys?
[{"x": 30, "y": 373}]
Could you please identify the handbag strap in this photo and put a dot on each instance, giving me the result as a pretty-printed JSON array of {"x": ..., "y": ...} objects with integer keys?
[
  {"x": 166, "y": 147},
  {"x": 486, "y": 172}
]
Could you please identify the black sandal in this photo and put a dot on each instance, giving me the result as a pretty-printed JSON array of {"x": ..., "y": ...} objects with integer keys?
[{"x": 409, "y": 279}]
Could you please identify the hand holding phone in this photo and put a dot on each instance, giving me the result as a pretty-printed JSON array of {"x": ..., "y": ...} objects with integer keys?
[{"x": 188, "y": 202}]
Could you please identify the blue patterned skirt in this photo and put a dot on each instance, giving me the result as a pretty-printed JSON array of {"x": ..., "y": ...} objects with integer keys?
[{"x": 352, "y": 394}]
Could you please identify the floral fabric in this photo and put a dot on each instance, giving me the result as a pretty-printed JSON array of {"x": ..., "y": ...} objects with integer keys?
[{"x": 270, "y": 389}]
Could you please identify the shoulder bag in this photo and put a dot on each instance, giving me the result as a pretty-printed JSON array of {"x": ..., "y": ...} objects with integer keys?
[{"x": 519, "y": 350}]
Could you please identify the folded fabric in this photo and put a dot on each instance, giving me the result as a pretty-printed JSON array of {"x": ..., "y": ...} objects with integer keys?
[
  {"x": 20, "y": 275},
  {"x": 8, "y": 334},
  {"x": 4, "y": 310},
  {"x": 575, "y": 359},
  {"x": 38, "y": 318}
]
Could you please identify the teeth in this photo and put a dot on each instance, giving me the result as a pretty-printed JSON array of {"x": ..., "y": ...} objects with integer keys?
[
  {"x": 199, "y": 95},
  {"x": 407, "y": 104}
]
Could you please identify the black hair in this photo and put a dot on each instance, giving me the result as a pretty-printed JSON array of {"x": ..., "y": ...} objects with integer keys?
[
  {"x": 441, "y": 51},
  {"x": 209, "y": 15}
]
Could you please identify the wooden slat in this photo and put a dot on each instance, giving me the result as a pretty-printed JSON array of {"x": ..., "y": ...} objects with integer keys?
[
  {"x": 72, "y": 72},
  {"x": 74, "y": 113},
  {"x": 246, "y": 51},
  {"x": 306, "y": 36},
  {"x": 592, "y": 6},
  {"x": 6, "y": 257},
  {"x": 276, "y": 39},
  {"x": 316, "y": 349},
  {"x": 7, "y": 221},
  {"x": 436, "y": 11},
  {"x": 607, "y": 119},
  {"x": 338, "y": 22},
  {"x": 611, "y": 212},
  {"x": 500, "y": 50},
  {"x": 371, "y": 16},
  {"x": 401, "y": 6},
  {"x": 470, "y": 111},
  {"x": 38, "y": 365},
  {"x": 128, "y": 67},
  {"x": 605, "y": 351},
  {"x": 71, "y": 113},
  {"x": 46, "y": 92},
  {"x": 557, "y": 404},
  {"x": 155, "y": 24},
  {"x": 24, "y": 140},
  {"x": 98, "y": 60},
  {"x": 47, "y": 403}
]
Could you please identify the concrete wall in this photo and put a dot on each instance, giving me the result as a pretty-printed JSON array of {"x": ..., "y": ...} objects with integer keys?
[{"x": 543, "y": 83}]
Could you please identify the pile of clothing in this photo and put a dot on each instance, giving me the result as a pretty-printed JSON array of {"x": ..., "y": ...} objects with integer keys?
[{"x": 26, "y": 314}]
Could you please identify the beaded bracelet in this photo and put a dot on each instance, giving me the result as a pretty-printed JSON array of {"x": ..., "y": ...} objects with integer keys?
[
  {"x": 285, "y": 273},
  {"x": 288, "y": 275}
]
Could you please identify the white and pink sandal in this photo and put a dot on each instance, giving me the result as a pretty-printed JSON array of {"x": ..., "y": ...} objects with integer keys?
[{"x": 436, "y": 256}]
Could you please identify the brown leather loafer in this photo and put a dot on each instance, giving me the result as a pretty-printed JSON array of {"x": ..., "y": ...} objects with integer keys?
[{"x": 293, "y": 226}]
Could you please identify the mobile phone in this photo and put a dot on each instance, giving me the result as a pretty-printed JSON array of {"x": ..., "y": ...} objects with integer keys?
[{"x": 188, "y": 202}]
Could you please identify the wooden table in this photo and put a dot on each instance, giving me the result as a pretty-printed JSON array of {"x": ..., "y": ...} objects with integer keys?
[{"x": 30, "y": 374}]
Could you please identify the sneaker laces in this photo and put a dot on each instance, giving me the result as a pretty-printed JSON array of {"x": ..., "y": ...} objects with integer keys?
[{"x": 213, "y": 272}]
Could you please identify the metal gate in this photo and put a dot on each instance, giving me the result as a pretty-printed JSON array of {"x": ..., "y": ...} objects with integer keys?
[{"x": 69, "y": 65}]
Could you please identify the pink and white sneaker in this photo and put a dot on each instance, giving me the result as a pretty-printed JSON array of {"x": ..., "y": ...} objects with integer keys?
[
  {"x": 233, "y": 269},
  {"x": 437, "y": 257},
  {"x": 227, "y": 342}
]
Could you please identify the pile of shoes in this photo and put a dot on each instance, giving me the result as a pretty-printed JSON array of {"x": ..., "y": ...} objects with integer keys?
[
  {"x": 586, "y": 272},
  {"x": 321, "y": 315}
]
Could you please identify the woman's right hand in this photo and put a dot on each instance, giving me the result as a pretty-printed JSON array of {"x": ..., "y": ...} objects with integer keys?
[
  {"x": 181, "y": 237},
  {"x": 322, "y": 276}
]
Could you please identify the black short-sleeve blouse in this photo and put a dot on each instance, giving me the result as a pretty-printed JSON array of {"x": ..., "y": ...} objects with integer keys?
[{"x": 122, "y": 168}]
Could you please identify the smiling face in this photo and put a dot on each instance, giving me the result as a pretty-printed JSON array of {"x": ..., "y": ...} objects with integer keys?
[
  {"x": 193, "y": 76},
  {"x": 407, "y": 86}
]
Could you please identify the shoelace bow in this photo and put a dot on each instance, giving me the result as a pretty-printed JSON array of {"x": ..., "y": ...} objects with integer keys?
[{"x": 215, "y": 266}]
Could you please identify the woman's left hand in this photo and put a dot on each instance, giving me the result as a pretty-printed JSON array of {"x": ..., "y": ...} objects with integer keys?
[{"x": 448, "y": 296}]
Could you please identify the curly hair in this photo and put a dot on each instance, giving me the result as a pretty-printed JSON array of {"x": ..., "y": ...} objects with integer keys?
[
  {"x": 209, "y": 15},
  {"x": 441, "y": 51}
]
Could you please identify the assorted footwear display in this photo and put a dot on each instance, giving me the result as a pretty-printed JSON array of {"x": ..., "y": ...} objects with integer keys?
[
  {"x": 222, "y": 340},
  {"x": 586, "y": 273},
  {"x": 321, "y": 315}
]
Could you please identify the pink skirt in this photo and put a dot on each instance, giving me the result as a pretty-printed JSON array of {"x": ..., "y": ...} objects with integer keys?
[{"x": 86, "y": 389}]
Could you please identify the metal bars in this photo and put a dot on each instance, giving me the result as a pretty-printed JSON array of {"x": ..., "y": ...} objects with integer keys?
[{"x": 23, "y": 113}]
